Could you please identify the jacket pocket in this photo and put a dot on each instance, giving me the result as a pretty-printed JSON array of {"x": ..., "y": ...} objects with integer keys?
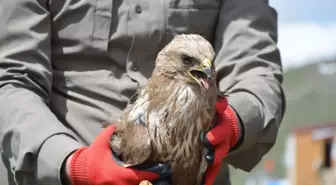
[
  {"x": 192, "y": 16},
  {"x": 81, "y": 23},
  {"x": 195, "y": 4},
  {"x": 194, "y": 21}
]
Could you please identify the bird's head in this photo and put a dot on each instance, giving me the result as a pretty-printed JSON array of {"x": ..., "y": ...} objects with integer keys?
[{"x": 189, "y": 58}]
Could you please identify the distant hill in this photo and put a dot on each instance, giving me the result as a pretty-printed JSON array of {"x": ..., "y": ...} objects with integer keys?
[{"x": 311, "y": 99}]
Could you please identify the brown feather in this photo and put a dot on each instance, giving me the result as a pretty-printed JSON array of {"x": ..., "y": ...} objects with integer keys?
[{"x": 176, "y": 110}]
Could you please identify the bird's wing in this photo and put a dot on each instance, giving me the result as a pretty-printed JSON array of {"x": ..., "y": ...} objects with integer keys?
[{"x": 138, "y": 122}]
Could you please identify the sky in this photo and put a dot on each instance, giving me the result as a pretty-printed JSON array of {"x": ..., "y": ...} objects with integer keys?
[{"x": 307, "y": 30}]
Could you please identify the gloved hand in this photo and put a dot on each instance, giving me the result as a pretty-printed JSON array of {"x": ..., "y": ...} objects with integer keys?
[
  {"x": 220, "y": 139},
  {"x": 95, "y": 165}
]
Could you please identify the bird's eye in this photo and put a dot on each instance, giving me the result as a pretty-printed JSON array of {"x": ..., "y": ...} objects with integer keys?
[{"x": 186, "y": 59}]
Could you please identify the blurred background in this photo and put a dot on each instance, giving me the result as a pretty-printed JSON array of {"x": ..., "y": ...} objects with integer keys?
[{"x": 305, "y": 152}]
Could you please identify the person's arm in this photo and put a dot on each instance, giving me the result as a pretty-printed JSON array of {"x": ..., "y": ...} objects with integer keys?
[
  {"x": 33, "y": 140},
  {"x": 249, "y": 68}
]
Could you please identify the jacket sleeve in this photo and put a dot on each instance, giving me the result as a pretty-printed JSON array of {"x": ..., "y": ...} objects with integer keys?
[
  {"x": 33, "y": 140},
  {"x": 250, "y": 70}
]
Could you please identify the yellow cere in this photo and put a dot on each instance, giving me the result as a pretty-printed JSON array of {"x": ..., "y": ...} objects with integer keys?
[{"x": 206, "y": 63}]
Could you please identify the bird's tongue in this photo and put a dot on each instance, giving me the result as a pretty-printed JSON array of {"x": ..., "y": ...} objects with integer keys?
[{"x": 205, "y": 83}]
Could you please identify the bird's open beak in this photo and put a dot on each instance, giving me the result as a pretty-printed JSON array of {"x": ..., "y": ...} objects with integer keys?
[{"x": 203, "y": 74}]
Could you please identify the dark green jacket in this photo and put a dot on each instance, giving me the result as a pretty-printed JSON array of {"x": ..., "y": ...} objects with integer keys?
[{"x": 67, "y": 66}]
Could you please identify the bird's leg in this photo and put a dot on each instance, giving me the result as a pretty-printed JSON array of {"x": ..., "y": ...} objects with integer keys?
[{"x": 145, "y": 182}]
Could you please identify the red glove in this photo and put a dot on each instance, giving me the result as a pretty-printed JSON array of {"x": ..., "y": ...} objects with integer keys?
[
  {"x": 220, "y": 139},
  {"x": 95, "y": 165}
]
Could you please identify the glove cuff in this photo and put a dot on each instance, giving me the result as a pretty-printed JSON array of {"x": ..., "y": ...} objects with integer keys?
[
  {"x": 78, "y": 167},
  {"x": 223, "y": 107},
  {"x": 232, "y": 118}
]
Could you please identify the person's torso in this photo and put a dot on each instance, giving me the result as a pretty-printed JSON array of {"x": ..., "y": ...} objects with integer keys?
[{"x": 103, "y": 50}]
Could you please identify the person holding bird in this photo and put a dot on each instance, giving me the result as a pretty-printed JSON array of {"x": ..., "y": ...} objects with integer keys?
[{"x": 67, "y": 67}]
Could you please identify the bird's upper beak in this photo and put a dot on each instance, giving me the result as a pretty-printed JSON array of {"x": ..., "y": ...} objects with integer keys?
[{"x": 206, "y": 68}]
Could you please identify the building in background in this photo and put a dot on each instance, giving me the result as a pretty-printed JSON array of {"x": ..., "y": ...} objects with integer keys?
[{"x": 310, "y": 156}]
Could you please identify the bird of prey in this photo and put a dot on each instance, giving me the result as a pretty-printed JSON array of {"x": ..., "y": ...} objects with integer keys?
[{"x": 164, "y": 122}]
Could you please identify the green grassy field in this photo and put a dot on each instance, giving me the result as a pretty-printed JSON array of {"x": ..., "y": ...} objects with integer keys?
[{"x": 310, "y": 100}]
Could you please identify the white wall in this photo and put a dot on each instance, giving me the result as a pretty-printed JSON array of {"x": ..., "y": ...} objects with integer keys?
[{"x": 290, "y": 157}]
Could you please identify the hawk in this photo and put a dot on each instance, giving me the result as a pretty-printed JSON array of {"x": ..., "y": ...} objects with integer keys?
[{"x": 164, "y": 122}]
